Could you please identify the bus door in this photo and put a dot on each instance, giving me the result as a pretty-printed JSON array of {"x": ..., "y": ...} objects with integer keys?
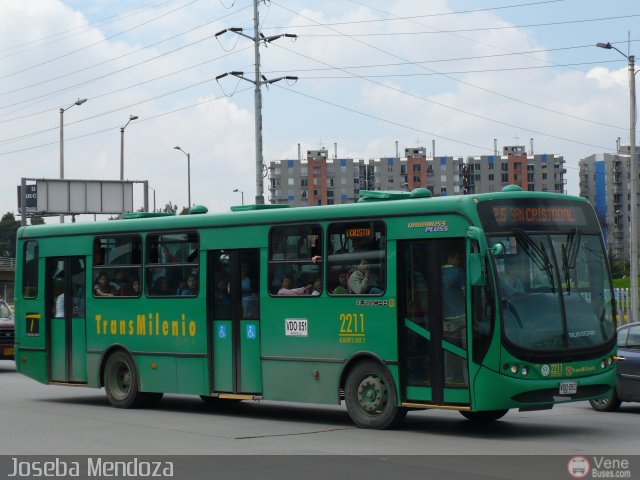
[
  {"x": 234, "y": 316},
  {"x": 433, "y": 324},
  {"x": 66, "y": 335}
]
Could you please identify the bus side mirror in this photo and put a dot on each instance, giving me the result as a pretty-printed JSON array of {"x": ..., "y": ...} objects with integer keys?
[
  {"x": 476, "y": 270},
  {"x": 497, "y": 249}
]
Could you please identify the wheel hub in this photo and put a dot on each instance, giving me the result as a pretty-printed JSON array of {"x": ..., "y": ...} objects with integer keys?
[{"x": 372, "y": 395}]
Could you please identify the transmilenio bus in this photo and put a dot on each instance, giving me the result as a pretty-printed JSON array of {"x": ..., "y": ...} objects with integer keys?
[{"x": 477, "y": 303}]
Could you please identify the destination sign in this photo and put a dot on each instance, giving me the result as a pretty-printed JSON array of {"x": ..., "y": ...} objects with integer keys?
[{"x": 539, "y": 214}]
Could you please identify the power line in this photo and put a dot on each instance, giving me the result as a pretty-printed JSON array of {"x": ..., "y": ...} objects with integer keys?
[
  {"x": 413, "y": 17},
  {"x": 480, "y": 29},
  {"x": 26, "y": 69},
  {"x": 72, "y": 32},
  {"x": 487, "y": 90}
]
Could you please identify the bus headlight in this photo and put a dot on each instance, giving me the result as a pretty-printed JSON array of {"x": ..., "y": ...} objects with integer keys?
[
  {"x": 524, "y": 371},
  {"x": 610, "y": 361},
  {"x": 514, "y": 369},
  {"x": 603, "y": 364}
]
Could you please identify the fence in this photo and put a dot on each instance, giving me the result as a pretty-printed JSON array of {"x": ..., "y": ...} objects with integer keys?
[
  {"x": 8, "y": 262},
  {"x": 623, "y": 304}
]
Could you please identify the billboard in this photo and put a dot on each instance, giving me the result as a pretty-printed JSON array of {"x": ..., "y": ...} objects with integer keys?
[
  {"x": 73, "y": 197},
  {"x": 31, "y": 198}
]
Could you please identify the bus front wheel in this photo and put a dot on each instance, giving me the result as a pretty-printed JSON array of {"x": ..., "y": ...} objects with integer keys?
[
  {"x": 610, "y": 403},
  {"x": 371, "y": 399},
  {"x": 484, "y": 417},
  {"x": 121, "y": 383}
]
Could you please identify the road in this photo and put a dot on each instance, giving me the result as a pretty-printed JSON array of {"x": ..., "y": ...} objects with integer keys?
[{"x": 56, "y": 420}]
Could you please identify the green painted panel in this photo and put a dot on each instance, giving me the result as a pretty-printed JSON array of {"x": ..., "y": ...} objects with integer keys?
[
  {"x": 78, "y": 350},
  {"x": 192, "y": 376},
  {"x": 222, "y": 356},
  {"x": 419, "y": 394},
  {"x": 157, "y": 374},
  {"x": 32, "y": 364},
  {"x": 58, "y": 350},
  {"x": 250, "y": 371},
  {"x": 294, "y": 381},
  {"x": 456, "y": 395}
]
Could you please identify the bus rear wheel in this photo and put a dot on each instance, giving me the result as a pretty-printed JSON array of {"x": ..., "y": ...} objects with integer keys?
[
  {"x": 121, "y": 383},
  {"x": 484, "y": 417},
  {"x": 371, "y": 399}
]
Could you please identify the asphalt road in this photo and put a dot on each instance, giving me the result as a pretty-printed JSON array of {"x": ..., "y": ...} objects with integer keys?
[{"x": 40, "y": 419}]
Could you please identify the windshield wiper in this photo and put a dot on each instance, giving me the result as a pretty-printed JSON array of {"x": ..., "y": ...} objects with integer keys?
[
  {"x": 537, "y": 253},
  {"x": 569, "y": 260}
]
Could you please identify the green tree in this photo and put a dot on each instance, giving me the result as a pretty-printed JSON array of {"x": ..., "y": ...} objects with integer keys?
[{"x": 8, "y": 228}]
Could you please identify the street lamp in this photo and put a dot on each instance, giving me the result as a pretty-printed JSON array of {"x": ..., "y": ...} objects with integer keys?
[
  {"x": 633, "y": 172},
  {"x": 241, "y": 193},
  {"x": 80, "y": 101},
  {"x": 188, "y": 173},
  {"x": 131, "y": 118}
]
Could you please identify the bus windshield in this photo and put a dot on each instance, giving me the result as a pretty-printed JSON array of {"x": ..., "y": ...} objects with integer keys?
[{"x": 553, "y": 281}]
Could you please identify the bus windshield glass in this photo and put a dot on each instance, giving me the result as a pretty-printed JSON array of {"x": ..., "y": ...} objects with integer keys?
[{"x": 554, "y": 286}]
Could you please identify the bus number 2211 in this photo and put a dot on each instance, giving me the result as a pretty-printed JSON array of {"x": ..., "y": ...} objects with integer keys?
[{"x": 351, "y": 323}]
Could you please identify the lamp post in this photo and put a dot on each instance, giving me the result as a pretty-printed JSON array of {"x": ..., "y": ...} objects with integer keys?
[
  {"x": 188, "y": 173},
  {"x": 80, "y": 101},
  {"x": 131, "y": 118},
  {"x": 633, "y": 172},
  {"x": 241, "y": 193}
]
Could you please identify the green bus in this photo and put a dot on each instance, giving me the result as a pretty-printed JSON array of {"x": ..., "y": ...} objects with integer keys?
[{"x": 402, "y": 301}]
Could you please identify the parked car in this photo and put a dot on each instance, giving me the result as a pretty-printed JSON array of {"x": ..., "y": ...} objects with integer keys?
[
  {"x": 6, "y": 330},
  {"x": 627, "y": 370}
]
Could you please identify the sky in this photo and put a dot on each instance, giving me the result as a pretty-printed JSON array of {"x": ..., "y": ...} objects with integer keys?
[{"x": 370, "y": 73}]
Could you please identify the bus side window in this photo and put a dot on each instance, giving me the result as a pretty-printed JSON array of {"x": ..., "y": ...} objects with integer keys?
[
  {"x": 291, "y": 254},
  {"x": 30, "y": 270}
]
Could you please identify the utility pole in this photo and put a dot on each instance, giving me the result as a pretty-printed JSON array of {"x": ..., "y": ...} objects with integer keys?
[{"x": 257, "y": 82}]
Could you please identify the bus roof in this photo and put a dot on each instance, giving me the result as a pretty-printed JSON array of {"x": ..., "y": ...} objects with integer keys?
[{"x": 392, "y": 206}]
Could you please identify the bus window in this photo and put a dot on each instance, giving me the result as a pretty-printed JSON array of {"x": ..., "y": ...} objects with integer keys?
[
  {"x": 172, "y": 266},
  {"x": 117, "y": 266},
  {"x": 30, "y": 270},
  {"x": 295, "y": 255},
  {"x": 356, "y": 260}
]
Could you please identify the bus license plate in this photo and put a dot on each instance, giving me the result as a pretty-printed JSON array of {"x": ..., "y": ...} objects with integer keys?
[
  {"x": 568, "y": 388},
  {"x": 8, "y": 351}
]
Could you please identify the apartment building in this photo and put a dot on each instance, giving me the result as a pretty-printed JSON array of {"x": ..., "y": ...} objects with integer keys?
[
  {"x": 605, "y": 182},
  {"x": 319, "y": 180}
]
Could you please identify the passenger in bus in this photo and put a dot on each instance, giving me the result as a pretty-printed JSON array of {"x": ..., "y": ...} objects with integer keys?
[
  {"x": 191, "y": 287},
  {"x": 363, "y": 281},
  {"x": 245, "y": 280},
  {"x": 221, "y": 294},
  {"x": 161, "y": 287},
  {"x": 133, "y": 288},
  {"x": 453, "y": 303},
  {"x": 342, "y": 288},
  {"x": 317, "y": 286},
  {"x": 102, "y": 287},
  {"x": 510, "y": 281},
  {"x": 119, "y": 284},
  {"x": 287, "y": 283},
  {"x": 59, "y": 307}
]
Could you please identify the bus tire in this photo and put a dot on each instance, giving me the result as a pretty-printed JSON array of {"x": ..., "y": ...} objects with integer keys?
[
  {"x": 121, "y": 382},
  {"x": 610, "y": 403},
  {"x": 484, "y": 417},
  {"x": 371, "y": 398}
]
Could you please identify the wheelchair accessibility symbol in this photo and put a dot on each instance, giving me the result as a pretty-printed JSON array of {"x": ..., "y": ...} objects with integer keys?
[
  {"x": 251, "y": 331},
  {"x": 222, "y": 331}
]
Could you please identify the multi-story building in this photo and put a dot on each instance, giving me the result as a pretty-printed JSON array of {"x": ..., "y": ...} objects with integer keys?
[
  {"x": 605, "y": 182},
  {"x": 318, "y": 180},
  {"x": 543, "y": 172}
]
